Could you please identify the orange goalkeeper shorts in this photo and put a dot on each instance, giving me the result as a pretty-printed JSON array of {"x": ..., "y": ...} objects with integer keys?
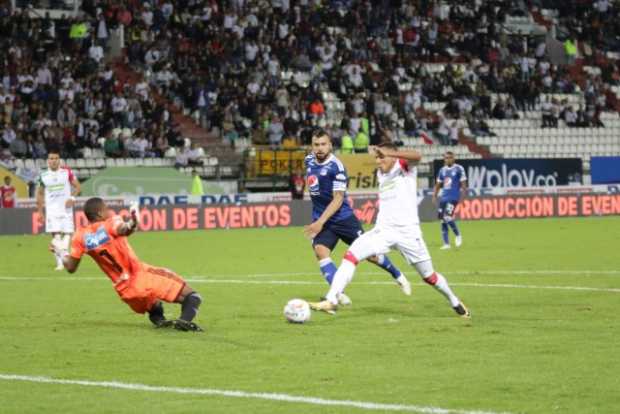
[{"x": 148, "y": 286}]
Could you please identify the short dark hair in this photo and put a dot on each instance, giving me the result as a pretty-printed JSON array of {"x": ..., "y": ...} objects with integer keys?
[
  {"x": 92, "y": 207},
  {"x": 448, "y": 153},
  {"x": 53, "y": 150},
  {"x": 388, "y": 145},
  {"x": 320, "y": 132}
]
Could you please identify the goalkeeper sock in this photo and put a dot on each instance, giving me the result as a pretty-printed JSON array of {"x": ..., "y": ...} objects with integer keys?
[
  {"x": 156, "y": 314},
  {"x": 328, "y": 268},
  {"x": 190, "y": 305},
  {"x": 384, "y": 263}
]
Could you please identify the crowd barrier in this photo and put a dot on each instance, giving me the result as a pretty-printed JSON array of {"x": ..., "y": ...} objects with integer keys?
[{"x": 298, "y": 212}]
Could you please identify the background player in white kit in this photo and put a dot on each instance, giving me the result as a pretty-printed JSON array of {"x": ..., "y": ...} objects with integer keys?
[
  {"x": 57, "y": 189},
  {"x": 398, "y": 227}
]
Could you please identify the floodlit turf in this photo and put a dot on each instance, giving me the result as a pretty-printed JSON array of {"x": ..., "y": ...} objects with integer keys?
[{"x": 527, "y": 349}]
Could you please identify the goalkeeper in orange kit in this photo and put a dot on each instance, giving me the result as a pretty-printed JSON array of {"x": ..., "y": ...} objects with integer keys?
[{"x": 139, "y": 285}]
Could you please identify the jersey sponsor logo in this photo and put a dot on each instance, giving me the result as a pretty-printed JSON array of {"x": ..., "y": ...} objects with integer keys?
[
  {"x": 96, "y": 239},
  {"x": 313, "y": 184},
  {"x": 323, "y": 171},
  {"x": 447, "y": 183}
]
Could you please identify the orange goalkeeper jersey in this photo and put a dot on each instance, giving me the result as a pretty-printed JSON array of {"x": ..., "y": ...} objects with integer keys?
[{"x": 111, "y": 251}]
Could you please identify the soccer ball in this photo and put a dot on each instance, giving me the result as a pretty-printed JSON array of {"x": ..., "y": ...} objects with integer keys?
[{"x": 297, "y": 311}]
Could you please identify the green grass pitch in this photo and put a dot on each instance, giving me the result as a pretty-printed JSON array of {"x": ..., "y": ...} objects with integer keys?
[{"x": 544, "y": 337}]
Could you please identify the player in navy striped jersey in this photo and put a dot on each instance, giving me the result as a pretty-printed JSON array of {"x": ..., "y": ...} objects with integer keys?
[
  {"x": 332, "y": 216},
  {"x": 452, "y": 182}
]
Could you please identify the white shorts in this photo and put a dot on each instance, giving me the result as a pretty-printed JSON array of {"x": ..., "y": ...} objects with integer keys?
[
  {"x": 380, "y": 240},
  {"x": 59, "y": 223}
]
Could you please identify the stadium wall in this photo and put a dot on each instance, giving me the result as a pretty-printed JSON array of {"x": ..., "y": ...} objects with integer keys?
[{"x": 298, "y": 212}]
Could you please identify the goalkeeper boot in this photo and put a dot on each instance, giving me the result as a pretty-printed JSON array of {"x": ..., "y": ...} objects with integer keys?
[
  {"x": 181, "y": 325},
  {"x": 324, "y": 306}
]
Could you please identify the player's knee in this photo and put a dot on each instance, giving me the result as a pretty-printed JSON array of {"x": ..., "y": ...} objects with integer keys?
[
  {"x": 350, "y": 257},
  {"x": 425, "y": 269},
  {"x": 195, "y": 298},
  {"x": 321, "y": 252},
  {"x": 431, "y": 279}
]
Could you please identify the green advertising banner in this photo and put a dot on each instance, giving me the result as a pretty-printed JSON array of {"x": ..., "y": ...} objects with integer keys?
[{"x": 127, "y": 181}]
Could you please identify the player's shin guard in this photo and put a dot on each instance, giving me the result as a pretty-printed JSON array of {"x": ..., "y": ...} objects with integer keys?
[
  {"x": 190, "y": 305},
  {"x": 343, "y": 277},
  {"x": 444, "y": 232},
  {"x": 328, "y": 269},
  {"x": 384, "y": 263}
]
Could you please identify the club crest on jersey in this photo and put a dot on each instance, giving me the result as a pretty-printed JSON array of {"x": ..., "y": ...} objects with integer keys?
[
  {"x": 323, "y": 171},
  {"x": 96, "y": 239}
]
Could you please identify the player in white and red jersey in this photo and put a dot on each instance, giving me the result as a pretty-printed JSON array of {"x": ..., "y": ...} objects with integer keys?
[
  {"x": 397, "y": 227},
  {"x": 57, "y": 189}
]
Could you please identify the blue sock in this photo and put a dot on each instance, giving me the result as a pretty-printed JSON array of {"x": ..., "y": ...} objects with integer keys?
[
  {"x": 385, "y": 264},
  {"x": 455, "y": 229},
  {"x": 444, "y": 232},
  {"x": 328, "y": 268}
]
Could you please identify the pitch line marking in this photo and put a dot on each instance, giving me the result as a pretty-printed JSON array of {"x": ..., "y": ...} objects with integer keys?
[
  {"x": 202, "y": 279},
  {"x": 365, "y": 405}
]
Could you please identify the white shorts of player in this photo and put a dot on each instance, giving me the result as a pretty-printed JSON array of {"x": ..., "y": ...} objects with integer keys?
[
  {"x": 59, "y": 223},
  {"x": 380, "y": 240}
]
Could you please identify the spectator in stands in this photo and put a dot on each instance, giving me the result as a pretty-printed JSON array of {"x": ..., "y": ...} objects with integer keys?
[
  {"x": 570, "y": 117},
  {"x": 361, "y": 142},
  {"x": 195, "y": 155},
  {"x": 7, "y": 194},
  {"x": 182, "y": 157},
  {"x": 275, "y": 132},
  {"x": 297, "y": 184},
  {"x": 19, "y": 147},
  {"x": 113, "y": 147}
]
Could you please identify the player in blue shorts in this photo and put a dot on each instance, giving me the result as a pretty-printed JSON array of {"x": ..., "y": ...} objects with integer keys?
[
  {"x": 452, "y": 182},
  {"x": 332, "y": 216}
]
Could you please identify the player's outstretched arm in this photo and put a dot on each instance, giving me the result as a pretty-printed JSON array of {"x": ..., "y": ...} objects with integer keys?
[
  {"x": 409, "y": 155},
  {"x": 129, "y": 225}
]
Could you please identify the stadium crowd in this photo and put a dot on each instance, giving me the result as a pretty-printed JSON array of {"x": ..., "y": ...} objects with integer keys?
[{"x": 270, "y": 70}]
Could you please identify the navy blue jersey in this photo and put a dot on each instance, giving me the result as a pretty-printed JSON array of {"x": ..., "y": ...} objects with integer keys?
[
  {"x": 450, "y": 179},
  {"x": 322, "y": 180}
]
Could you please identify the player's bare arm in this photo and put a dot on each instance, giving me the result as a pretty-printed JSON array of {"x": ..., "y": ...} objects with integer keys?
[
  {"x": 409, "y": 155},
  {"x": 75, "y": 191},
  {"x": 436, "y": 191},
  {"x": 40, "y": 197},
  {"x": 316, "y": 227},
  {"x": 463, "y": 189}
]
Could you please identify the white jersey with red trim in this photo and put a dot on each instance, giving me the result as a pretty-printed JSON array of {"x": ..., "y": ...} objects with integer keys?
[
  {"x": 398, "y": 200},
  {"x": 57, "y": 185}
]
